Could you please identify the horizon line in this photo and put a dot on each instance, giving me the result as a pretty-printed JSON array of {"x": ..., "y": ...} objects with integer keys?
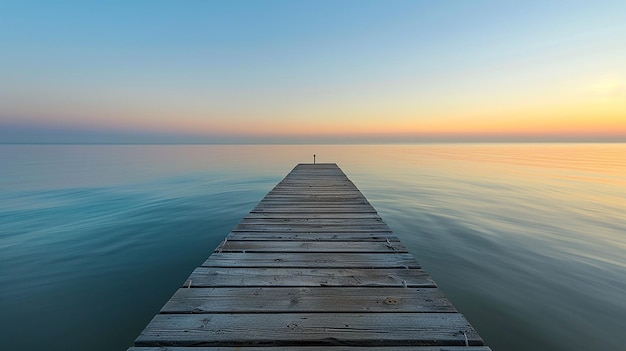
[{"x": 333, "y": 143}]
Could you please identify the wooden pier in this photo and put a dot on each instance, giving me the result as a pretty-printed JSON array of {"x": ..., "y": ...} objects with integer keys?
[{"x": 312, "y": 267}]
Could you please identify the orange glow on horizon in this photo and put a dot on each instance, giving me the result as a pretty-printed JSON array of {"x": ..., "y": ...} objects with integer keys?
[
  {"x": 575, "y": 122},
  {"x": 598, "y": 117}
]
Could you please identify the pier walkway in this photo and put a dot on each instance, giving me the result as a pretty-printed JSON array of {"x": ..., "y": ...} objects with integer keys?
[{"x": 312, "y": 267}]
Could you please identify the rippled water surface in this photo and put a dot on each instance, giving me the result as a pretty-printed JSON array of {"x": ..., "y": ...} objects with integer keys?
[{"x": 527, "y": 240}]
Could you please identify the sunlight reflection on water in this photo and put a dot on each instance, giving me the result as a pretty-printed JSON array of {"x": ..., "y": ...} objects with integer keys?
[{"x": 527, "y": 240}]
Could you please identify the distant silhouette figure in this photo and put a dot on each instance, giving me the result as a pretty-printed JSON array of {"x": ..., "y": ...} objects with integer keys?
[{"x": 313, "y": 158}]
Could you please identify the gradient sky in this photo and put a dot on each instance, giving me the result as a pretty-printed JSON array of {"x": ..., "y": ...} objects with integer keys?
[{"x": 312, "y": 70}]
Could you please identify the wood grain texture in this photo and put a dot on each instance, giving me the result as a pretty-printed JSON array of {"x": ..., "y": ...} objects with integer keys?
[
  {"x": 312, "y": 216},
  {"x": 311, "y": 260},
  {"x": 313, "y": 246},
  {"x": 293, "y": 329},
  {"x": 311, "y": 228},
  {"x": 314, "y": 348},
  {"x": 328, "y": 236},
  {"x": 315, "y": 209},
  {"x": 343, "y": 222},
  {"x": 307, "y": 300},
  {"x": 311, "y": 277},
  {"x": 305, "y": 211}
]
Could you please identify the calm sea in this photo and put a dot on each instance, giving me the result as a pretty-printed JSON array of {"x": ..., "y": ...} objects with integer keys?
[{"x": 527, "y": 240}]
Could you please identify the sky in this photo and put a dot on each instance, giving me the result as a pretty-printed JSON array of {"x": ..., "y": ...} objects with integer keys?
[{"x": 312, "y": 71}]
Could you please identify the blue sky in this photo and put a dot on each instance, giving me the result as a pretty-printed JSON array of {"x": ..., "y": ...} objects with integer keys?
[{"x": 275, "y": 70}]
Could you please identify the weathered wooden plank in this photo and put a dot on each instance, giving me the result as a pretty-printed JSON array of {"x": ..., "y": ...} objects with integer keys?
[
  {"x": 311, "y": 277},
  {"x": 357, "y": 206},
  {"x": 317, "y": 182},
  {"x": 343, "y": 235},
  {"x": 317, "y": 167},
  {"x": 308, "y": 175},
  {"x": 314, "y": 209},
  {"x": 327, "y": 182},
  {"x": 324, "y": 184},
  {"x": 288, "y": 209},
  {"x": 314, "y": 348},
  {"x": 312, "y": 260},
  {"x": 311, "y": 246},
  {"x": 316, "y": 203},
  {"x": 343, "y": 222},
  {"x": 328, "y": 236},
  {"x": 316, "y": 189},
  {"x": 321, "y": 180},
  {"x": 293, "y": 329},
  {"x": 312, "y": 216},
  {"x": 302, "y": 199},
  {"x": 315, "y": 171},
  {"x": 314, "y": 196},
  {"x": 309, "y": 191},
  {"x": 312, "y": 202},
  {"x": 308, "y": 178},
  {"x": 311, "y": 178},
  {"x": 321, "y": 185},
  {"x": 352, "y": 203},
  {"x": 276, "y": 200},
  {"x": 311, "y": 228},
  {"x": 338, "y": 222},
  {"x": 307, "y": 299}
]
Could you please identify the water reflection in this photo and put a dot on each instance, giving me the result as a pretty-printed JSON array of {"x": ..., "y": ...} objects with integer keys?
[{"x": 527, "y": 240}]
